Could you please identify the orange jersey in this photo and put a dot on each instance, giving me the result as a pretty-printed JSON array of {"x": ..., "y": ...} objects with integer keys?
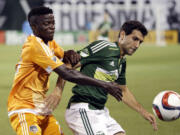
[{"x": 31, "y": 80}]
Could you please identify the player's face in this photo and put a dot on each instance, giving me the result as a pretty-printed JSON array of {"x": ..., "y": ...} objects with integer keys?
[
  {"x": 130, "y": 43},
  {"x": 45, "y": 27}
]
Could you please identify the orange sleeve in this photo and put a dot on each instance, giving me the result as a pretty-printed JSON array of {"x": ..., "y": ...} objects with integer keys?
[
  {"x": 42, "y": 55},
  {"x": 58, "y": 51}
]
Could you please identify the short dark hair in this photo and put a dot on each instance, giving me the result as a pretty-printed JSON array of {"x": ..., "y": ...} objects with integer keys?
[
  {"x": 131, "y": 25},
  {"x": 39, "y": 11}
]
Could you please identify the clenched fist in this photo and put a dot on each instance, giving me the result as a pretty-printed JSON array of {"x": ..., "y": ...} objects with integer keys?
[{"x": 71, "y": 57}]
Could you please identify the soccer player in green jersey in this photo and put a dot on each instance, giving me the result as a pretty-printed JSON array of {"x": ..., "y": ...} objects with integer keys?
[{"x": 86, "y": 113}]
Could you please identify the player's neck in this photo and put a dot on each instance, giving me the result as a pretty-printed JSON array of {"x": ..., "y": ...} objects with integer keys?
[
  {"x": 43, "y": 39},
  {"x": 121, "y": 50}
]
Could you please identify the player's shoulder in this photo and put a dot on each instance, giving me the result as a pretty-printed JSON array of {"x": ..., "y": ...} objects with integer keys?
[
  {"x": 103, "y": 43},
  {"x": 53, "y": 43},
  {"x": 32, "y": 43}
]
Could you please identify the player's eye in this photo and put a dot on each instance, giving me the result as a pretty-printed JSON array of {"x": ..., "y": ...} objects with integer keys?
[{"x": 135, "y": 38}]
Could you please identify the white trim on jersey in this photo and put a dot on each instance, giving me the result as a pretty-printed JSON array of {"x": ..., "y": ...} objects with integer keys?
[
  {"x": 83, "y": 54},
  {"x": 45, "y": 47},
  {"x": 100, "y": 48},
  {"x": 22, "y": 111},
  {"x": 17, "y": 69},
  {"x": 102, "y": 45},
  {"x": 49, "y": 69}
]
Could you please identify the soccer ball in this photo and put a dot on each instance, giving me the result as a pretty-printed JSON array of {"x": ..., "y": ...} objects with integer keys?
[{"x": 166, "y": 105}]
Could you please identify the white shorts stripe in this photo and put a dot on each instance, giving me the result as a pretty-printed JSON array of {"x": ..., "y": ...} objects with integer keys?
[{"x": 85, "y": 115}]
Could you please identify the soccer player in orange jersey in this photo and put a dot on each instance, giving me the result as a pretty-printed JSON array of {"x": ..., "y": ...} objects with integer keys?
[{"x": 40, "y": 56}]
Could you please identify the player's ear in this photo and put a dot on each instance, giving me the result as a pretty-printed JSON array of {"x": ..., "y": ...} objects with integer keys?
[
  {"x": 33, "y": 23},
  {"x": 122, "y": 35},
  {"x": 33, "y": 27}
]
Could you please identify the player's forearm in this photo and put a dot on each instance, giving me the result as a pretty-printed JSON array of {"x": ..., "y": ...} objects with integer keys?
[
  {"x": 129, "y": 99},
  {"x": 77, "y": 77},
  {"x": 60, "y": 85},
  {"x": 61, "y": 82}
]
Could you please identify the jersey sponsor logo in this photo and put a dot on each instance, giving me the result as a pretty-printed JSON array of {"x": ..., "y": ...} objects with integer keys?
[
  {"x": 102, "y": 45},
  {"x": 105, "y": 75},
  {"x": 33, "y": 128}
]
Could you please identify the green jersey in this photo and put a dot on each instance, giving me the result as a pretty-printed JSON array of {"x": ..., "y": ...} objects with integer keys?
[{"x": 100, "y": 60}]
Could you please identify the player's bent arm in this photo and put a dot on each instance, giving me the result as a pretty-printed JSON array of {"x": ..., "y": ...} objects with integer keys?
[
  {"x": 79, "y": 78},
  {"x": 52, "y": 101},
  {"x": 129, "y": 99},
  {"x": 59, "y": 86}
]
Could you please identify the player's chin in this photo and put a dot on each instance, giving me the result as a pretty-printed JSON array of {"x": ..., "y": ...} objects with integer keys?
[
  {"x": 130, "y": 53},
  {"x": 50, "y": 37}
]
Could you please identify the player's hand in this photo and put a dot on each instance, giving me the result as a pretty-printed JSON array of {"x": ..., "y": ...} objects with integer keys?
[
  {"x": 52, "y": 101},
  {"x": 151, "y": 118},
  {"x": 71, "y": 57},
  {"x": 114, "y": 89}
]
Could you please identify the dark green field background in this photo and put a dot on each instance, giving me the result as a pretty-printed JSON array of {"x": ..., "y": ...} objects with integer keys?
[{"x": 150, "y": 70}]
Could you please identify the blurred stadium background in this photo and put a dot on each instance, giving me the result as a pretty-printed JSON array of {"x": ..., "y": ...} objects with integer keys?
[{"x": 155, "y": 67}]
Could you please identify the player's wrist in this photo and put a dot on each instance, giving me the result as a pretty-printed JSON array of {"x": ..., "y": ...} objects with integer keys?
[{"x": 57, "y": 93}]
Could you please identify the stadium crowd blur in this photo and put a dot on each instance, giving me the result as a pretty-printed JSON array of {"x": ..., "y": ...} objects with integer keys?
[{"x": 77, "y": 21}]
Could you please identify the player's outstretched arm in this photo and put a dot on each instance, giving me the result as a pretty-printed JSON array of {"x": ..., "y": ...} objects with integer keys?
[
  {"x": 129, "y": 99},
  {"x": 79, "y": 78}
]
